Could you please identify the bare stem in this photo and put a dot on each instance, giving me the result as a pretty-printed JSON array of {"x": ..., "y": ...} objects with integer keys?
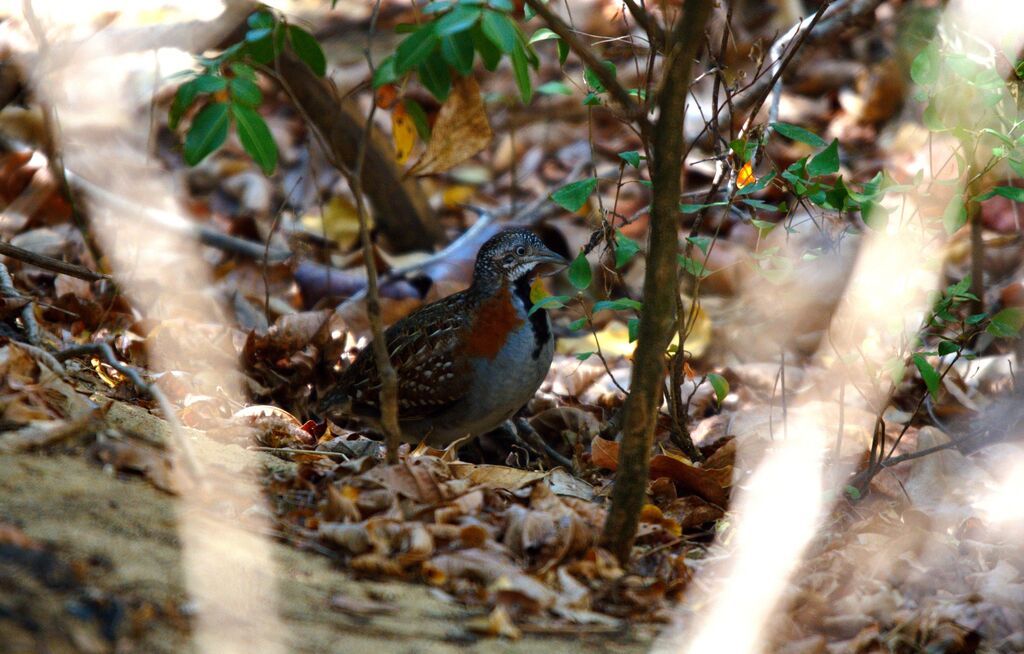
[
  {"x": 388, "y": 377},
  {"x": 660, "y": 282}
]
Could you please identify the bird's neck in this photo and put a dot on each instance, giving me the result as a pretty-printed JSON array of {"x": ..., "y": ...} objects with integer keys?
[{"x": 539, "y": 322}]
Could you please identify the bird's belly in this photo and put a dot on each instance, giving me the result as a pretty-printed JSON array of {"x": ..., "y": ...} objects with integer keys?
[
  {"x": 504, "y": 384},
  {"x": 508, "y": 381}
]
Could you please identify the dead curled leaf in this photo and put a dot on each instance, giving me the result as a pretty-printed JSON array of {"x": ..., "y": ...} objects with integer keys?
[
  {"x": 130, "y": 456},
  {"x": 460, "y": 132},
  {"x": 709, "y": 483}
]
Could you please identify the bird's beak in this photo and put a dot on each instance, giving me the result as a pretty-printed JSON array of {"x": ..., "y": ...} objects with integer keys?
[{"x": 546, "y": 256}]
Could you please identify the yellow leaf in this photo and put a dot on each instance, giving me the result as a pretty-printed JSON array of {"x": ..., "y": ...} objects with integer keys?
[
  {"x": 461, "y": 130},
  {"x": 538, "y": 291},
  {"x": 456, "y": 195},
  {"x": 745, "y": 176},
  {"x": 699, "y": 338},
  {"x": 339, "y": 222},
  {"x": 403, "y": 130},
  {"x": 614, "y": 339}
]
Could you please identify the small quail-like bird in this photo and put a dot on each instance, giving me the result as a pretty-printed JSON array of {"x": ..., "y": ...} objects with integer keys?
[{"x": 467, "y": 362}]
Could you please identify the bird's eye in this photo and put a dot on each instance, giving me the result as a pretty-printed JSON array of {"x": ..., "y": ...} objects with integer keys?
[{"x": 521, "y": 251}]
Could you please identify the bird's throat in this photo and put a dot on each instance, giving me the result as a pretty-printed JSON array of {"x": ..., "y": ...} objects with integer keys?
[{"x": 538, "y": 320}]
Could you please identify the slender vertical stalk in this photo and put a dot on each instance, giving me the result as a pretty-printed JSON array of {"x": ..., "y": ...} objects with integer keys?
[{"x": 661, "y": 281}]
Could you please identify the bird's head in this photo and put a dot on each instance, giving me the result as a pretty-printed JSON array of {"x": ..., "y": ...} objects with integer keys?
[{"x": 511, "y": 255}]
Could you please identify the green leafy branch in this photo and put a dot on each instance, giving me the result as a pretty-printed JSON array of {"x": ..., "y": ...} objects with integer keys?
[
  {"x": 448, "y": 41},
  {"x": 226, "y": 91}
]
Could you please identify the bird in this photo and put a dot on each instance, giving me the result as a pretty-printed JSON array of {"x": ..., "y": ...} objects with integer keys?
[{"x": 466, "y": 363}]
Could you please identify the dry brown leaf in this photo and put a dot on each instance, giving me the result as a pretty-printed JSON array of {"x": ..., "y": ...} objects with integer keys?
[
  {"x": 709, "y": 483},
  {"x": 604, "y": 453},
  {"x": 362, "y": 605},
  {"x": 130, "y": 456},
  {"x": 498, "y": 623},
  {"x": 494, "y": 476},
  {"x": 460, "y": 132}
]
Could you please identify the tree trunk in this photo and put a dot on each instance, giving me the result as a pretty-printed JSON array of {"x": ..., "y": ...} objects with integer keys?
[
  {"x": 661, "y": 283},
  {"x": 399, "y": 206}
]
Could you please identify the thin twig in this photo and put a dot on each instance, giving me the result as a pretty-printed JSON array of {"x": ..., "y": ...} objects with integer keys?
[
  {"x": 385, "y": 371},
  {"x": 49, "y": 263},
  {"x": 293, "y": 450},
  {"x": 634, "y": 110},
  {"x": 28, "y": 316},
  {"x": 167, "y": 220},
  {"x": 104, "y": 351}
]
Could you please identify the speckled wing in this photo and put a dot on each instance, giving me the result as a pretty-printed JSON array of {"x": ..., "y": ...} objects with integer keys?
[{"x": 424, "y": 349}]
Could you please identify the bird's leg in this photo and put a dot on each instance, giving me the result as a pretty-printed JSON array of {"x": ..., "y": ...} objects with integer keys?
[{"x": 527, "y": 436}]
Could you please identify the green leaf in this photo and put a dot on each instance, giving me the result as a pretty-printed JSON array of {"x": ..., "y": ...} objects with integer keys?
[
  {"x": 415, "y": 49},
  {"x": 721, "y": 386},
  {"x": 419, "y": 118},
  {"x": 572, "y": 197},
  {"x": 947, "y": 347},
  {"x": 500, "y": 30},
  {"x": 583, "y": 356},
  {"x": 633, "y": 328},
  {"x": 578, "y": 324},
  {"x": 928, "y": 374},
  {"x": 852, "y": 492},
  {"x": 554, "y": 87},
  {"x": 549, "y": 302},
  {"x": 385, "y": 73},
  {"x": 924, "y": 70},
  {"x": 580, "y": 274},
  {"x": 489, "y": 53},
  {"x": 245, "y": 92},
  {"x": 1008, "y": 192},
  {"x": 743, "y": 149},
  {"x": 255, "y": 137},
  {"x": 702, "y": 242},
  {"x": 308, "y": 49},
  {"x": 188, "y": 92},
  {"x": 458, "y": 52},
  {"x": 1007, "y": 323},
  {"x": 436, "y": 77},
  {"x": 457, "y": 20},
  {"x": 593, "y": 81},
  {"x": 692, "y": 266},
  {"x": 955, "y": 215},
  {"x": 437, "y": 7},
  {"x": 625, "y": 249},
  {"x": 825, "y": 162},
  {"x": 208, "y": 132},
  {"x": 632, "y": 157},
  {"x": 763, "y": 226},
  {"x": 761, "y": 204},
  {"x": 260, "y": 19},
  {"x": 543, "y": 34},
  {"x": 796, "y": 133},
  {"x": 243, "y": 70},
  {"x": 758, "y": 185},
  {"x": 521, "y": 69},
  {"x": 958, "y": 289},
  {"x": 931, "y": 119},
  {"x": 563, "y": 52},
  {"x": 620, "y": 304},
  {"x": 694, "y": 208},
  {"x": 264, "y": 44}
]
